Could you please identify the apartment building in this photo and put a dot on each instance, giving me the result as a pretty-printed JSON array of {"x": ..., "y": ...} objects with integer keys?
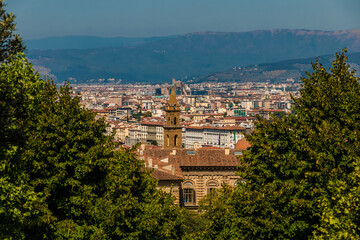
[{"x": 213, "y": 136}]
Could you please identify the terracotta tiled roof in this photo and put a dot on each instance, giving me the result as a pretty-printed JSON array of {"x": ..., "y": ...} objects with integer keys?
[
  {"x": 187, "y": 123},
  {"x": 190, "y": 158},
  {"x": 153, "y": 123},
  {"x": 100, "y": 111},
  {"x": 215, "y": 114},
  {"x": 233, "y": 128},
  {"x": 210, "y": 148},
  {"x": 242, "y": 144},
  {"x": 240, "y": 118},
  {"x": 153, "y": 147},
  {"x": 161, "y": 175},
  {"x": 207, "y": 158},
  {"x": 272, "y": 110},
  {"x": 195, "y": 127}
]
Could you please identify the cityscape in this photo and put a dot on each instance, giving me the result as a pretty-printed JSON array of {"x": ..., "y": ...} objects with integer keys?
[
  {"x": 135, "y": 113},
  {"x": 179, "y": 120}
]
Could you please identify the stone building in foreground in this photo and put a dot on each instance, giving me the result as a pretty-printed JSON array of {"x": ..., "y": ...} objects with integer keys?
[{"x": 195, "y": 172}]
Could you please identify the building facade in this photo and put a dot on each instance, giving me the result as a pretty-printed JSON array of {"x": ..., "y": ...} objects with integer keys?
[
  {"x": 193, "y": 173},
  {"x": 223, "y": 137}
]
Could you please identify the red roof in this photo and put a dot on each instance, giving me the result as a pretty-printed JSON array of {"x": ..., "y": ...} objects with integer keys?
[
  {"x": 100, "y": 111},
  {"x": 205, "y": 157},
  {"x": 242, "y": 144},
  {"x": 153, "y": 123},
  {"x": 233, "y": 128},
  {"x": 161, "y": 175}
]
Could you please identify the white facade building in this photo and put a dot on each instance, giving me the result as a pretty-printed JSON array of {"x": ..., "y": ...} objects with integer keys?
[{"x": 214, "y": 136}]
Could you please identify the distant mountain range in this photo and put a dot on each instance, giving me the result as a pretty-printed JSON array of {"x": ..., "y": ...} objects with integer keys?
[
  {"x": 189, "y": 56},
  {"x": 277, "y": 72},
  {"x": 85, "y": 42}
]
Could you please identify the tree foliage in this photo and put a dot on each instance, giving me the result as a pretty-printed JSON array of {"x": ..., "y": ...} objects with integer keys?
[
  {"x": 20, "y": 206},
  {"x": 302, "y": 171},
  {"x": 147, "y": 114},
  {"x": 60, "y": 177},
  {"x": 10, "y": 43}
]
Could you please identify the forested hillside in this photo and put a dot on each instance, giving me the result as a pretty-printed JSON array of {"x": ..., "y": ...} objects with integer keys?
[{"x": 190, "y": 55}]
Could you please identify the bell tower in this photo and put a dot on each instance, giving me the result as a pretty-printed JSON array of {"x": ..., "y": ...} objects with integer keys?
[{"x": 172, "y": 127}]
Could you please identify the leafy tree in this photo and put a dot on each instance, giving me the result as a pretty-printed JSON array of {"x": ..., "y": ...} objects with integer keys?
[
  {"x": 20, "y": 206},
  {"x": 154, "y": 142},
  {"x": 194, "y": 223},
  {"x": 279, "y": 114},
  {"x": 137, "y": 116},
  {"x": 302, "y": 171},
  {"x": 147, "y": 114},
  {"x": 10, "y": 43},
  {"x": 60, "y": 177}
]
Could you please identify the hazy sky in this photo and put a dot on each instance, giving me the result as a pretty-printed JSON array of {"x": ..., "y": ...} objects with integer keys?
[{"x": 135, "y": 18}]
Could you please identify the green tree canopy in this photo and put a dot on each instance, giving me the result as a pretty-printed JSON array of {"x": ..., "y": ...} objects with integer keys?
[
  {"x": 154, "y": 142},
  {"x": 60, "y": 176},
  {"x": 20, "y": 206},
  {"x": 10, "y": 43},
  {"x": 147, "y": 114},
  {"x": 302, "y": 171}
]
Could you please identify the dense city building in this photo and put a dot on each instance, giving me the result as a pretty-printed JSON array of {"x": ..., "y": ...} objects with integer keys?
[{"x": 190, "y": 136}]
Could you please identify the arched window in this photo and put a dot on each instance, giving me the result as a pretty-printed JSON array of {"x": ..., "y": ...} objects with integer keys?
[
  {"x": 239, "y": 182},
  {"x": 189, "y": 193},
  {"x": 212, "y": 185},
  {"x": 188, "y": 183},
  {"x": 176, "y": 140},
  {"x": 174, "y": 120},
  {"x": 168, "y": 139}
]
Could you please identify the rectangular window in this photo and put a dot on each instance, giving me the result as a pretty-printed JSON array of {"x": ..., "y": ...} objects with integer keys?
[{"x": 189, "y": 196}]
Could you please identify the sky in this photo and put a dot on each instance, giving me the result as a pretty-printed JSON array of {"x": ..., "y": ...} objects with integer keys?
[{"x": 145, "y": 18}]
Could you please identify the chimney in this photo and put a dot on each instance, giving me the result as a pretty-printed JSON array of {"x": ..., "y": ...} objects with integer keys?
[
  {"x": 142, "y": 146},
  {"x": 173, "y": 152},
  {"x": 196, "y": 146},
  {"x": 227, "y": 151}
]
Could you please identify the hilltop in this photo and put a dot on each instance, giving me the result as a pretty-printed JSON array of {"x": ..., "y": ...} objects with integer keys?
[
  {"x": 190, "y": 55},
  {"x": 275, "y": 72},
  {"x": 85, "y": 42}
]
